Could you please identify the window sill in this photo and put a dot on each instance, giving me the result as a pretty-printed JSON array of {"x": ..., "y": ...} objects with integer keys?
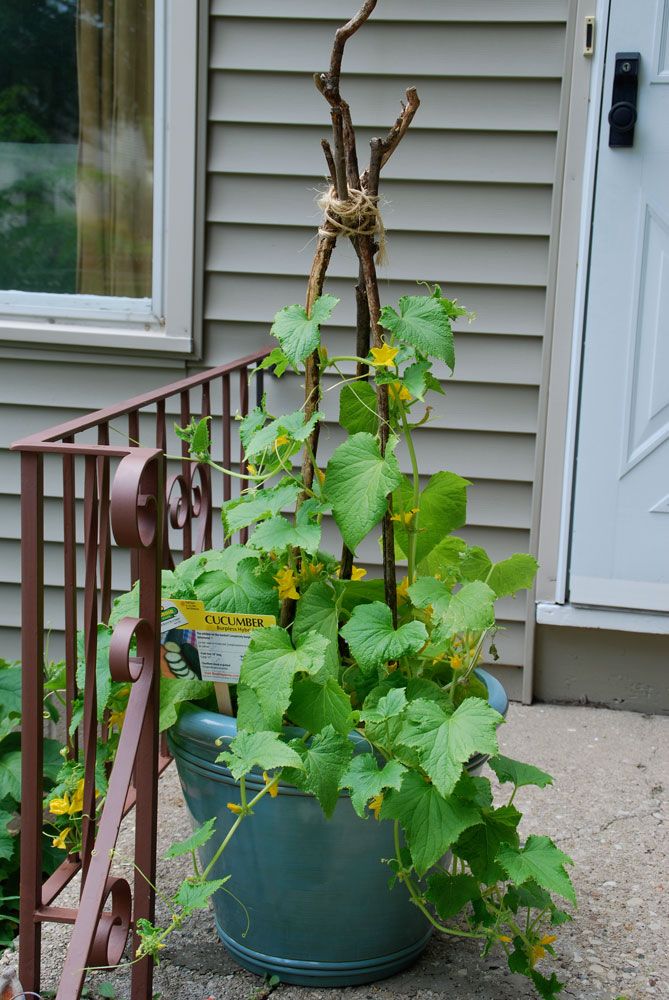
[{"x": 613, "y": 619}]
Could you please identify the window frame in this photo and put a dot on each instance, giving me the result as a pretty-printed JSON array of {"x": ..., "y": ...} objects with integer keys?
[{"x": 165, "y": 322}]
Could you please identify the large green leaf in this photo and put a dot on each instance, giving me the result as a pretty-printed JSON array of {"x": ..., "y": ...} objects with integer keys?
[
  {"x": 519, "y": 774},
  {"x": 249, "y": 592},
  {"x": 314, "y": 706},
  {"x": 292, "y": 425},
  {"x": 317, "y": 611},
  {"x": 325, "y": 761},
  {"x": 430, "y": 822},
  {"x": 471, "y": 609},
  {"x": 263, "y": 750},
  {"x": 10, "y": 688},
  {"x": 418, "y": 378},
  {"x": 542, "y": 861},
  {"x": 357, "y": 408},
  {"x": 227, "y": 560},
  {"x": 196, "y": 840},
  {"x": 427, "y": 591},
  {"x": 298, "y": 333},
  {"x": 271, "y": 663},
  {"x": 366, "y": 781},
  {"x": 256, "y": 506},
  {"x": 357, "y": 483},
  {"x": 389, "y": 706},
  {"x": 422, "y": 323},
  {"x": 10, "y": 775},
  {"x": 195, "y": 895},
  {"x": 7, "y": 840},
  {"x": 444, "y": 560},
  {"x": 450, "y": 893},
  {"x": 372, "y": 639},
  {"x": 278, "y": 534},
  {"x": 445, "y": 742},
  {"x": 173, "y": 692},
  {"x": 442, "y": 507},
  {"x": 479, "y": 845},
  {"x": 513, "y": 574}
]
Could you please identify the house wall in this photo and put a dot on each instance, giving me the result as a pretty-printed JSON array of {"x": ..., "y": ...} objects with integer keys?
[{"x": 469, "y": 197}]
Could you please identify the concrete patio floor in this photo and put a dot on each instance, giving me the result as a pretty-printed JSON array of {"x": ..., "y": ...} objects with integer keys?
[{"x": 607, "y": 810}]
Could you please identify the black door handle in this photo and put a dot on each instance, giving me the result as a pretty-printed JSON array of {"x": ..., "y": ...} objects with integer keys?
[{"x": 623, "y": 113}]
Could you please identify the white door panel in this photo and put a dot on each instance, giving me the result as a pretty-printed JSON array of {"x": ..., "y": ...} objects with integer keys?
[{"x": 620, "y": 535}]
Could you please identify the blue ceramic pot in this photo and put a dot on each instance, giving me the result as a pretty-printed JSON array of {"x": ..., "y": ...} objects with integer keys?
[{"x": 316, "y": 891}]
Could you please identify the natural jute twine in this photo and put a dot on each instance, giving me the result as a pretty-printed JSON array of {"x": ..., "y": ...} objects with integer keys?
[{"x": 357, "y": 215}]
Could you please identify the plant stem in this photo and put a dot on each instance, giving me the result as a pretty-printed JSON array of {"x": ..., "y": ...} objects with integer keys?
[{"x": 412, "y": 529}]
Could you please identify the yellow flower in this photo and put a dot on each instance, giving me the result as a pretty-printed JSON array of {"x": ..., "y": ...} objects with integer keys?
[
  {"x": 399, "y": 391},
  {"x": 252, "y": 470},
  {"x": 505, "y": 938},
  {"x": 548, "y": 939},
  {"x": 456, "y": 662},
  {"x": 403, "y": 590},
  {"x": 60, "y": 807},
  {"x": 536, "y": 954},
  {"x": 77, "y": 803},
  {"x": 59, "y": 841},
  {"x": 286, "y": 580},
  {"x": 282, "y": 439},
  {"x": 313, "y": 569},
  {"x": 234, "y": 808},
  {"x": 272, "y": 784},
  {"x": 406, "y": 517},
  {"x": 117, "y": 719},
  {"x": 375, "y": 804},
  {"x": 357, "y": 572},
  {"x": 320, "y": 476},
  {"x": 384, "y": 357},
  {"x": 124, "y": 691},
  {"x": 392, "y": 666}
]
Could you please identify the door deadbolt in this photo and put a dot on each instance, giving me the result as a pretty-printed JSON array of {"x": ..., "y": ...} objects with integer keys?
[{"x": 623, "y": 113}]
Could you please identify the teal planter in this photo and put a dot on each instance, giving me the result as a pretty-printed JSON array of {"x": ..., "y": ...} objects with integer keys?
[{"x": 316, "y": 891}]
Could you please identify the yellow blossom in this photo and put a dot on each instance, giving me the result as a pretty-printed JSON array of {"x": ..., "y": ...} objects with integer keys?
[
  {"x": 403, "y": 589},
  {"x": 59, "y": 841},
  {"x": 357, "y": 572},
  {"x": 252, "y": 470},
  {"x": 117, "y": 719},
  {"x": 282, "y": 439},
  {"x": 313, "y": 569},
  {"x": 406, "y": 517},
  {"x": 505, "y": 938},
  {"x": 124, "y": 691},
  {"x": 548, "y": 939},
  {"x": 77, "y": 803},
  {"x": 399, "y": 391},
  {"x": 456, "y": 662},
  {"x": 234, "y": 808},
  {"x": 272, "y": 784},
  {"x": 60, "y": 806},
  {"x": 286, "y": 580},
  {"x": 320, "y": 476},
  {"x": 375, "y": 805},
  {"x": 392, "y": 666},
  {"x": 384, "y": 357},
  {"x": 536, "y": 954}
]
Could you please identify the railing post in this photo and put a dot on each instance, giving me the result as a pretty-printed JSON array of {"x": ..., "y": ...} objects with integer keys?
[{"x": 32, "y": 737}]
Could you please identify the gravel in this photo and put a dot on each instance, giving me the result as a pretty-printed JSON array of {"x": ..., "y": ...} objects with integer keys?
[{"x": 607, "y": 809}]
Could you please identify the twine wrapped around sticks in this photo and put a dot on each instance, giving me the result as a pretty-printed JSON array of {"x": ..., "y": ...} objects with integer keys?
[{"x": 357, "y": 215}]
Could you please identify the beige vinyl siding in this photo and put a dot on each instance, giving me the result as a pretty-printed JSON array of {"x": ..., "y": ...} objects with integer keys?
[{"x": 468, "y": 203}]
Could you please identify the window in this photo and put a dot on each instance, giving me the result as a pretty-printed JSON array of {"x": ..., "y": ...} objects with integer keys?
[{"x": 97, "y": 172}]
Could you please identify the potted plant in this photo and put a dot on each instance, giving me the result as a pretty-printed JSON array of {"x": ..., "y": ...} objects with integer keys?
[{"x": 362, "y": 719}]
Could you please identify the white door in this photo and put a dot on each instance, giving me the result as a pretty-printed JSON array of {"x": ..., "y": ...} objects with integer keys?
[{"x": 620, "y": 532}]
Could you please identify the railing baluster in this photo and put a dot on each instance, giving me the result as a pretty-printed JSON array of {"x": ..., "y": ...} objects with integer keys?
[
  {"x": 186, "y": 472},
  {"x": 205, "y": 480},
  {"x": 90, "y": 647},
  {"x": 32, "y": 735},
  {"x": 161, "y": 442},
  {"x": 244, "y": 409},
  {"x": 105, "y": 527},
  {"x": 70, "y": 596},
  {"x": 134, "y": 442}
]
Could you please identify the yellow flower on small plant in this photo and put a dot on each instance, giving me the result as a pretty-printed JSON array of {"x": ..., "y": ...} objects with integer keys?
[
  {"x": 375, "y": 805},
  {"x": 384, "y": 357},
  {"x": 406, "y": 517},
  {"x": 272, "y": 784},
  {"x": 320, "y": 475},
  {"x": 505, "y": 938},
  {"x": 357, "y": 572},
  {"x": 455, "y": 661},
  {"x": 60, "y": 840},
  {"x": 60, "y": 806},
  {"x": 286, "y": 580},
  {"x": 77, "y": 803},
  {"x": 117, "y": 719},
  {"x": 252, "y": 470},
  {"x": 536, "y": 954},
  {"x": 399, "y": 391},
  {"x": 548, "y": 939},
  {"x": 234, "y": 808},
  {"x": 282, "y": 439},
  {"x": 313, "y": 569}
]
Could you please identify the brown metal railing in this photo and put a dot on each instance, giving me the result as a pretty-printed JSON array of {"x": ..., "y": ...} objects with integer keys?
[{"x": 131, "y": 491}]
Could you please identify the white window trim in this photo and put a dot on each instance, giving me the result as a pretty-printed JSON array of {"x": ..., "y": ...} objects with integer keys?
[{"x": 165, "y": 322}]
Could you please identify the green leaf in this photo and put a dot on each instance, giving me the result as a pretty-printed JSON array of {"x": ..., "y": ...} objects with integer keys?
[
  {"x": 365, "y": 780},
  {"x": 325, "y": 761},
  {"x": 263, "y": 750},
  {"x": 542, "y": 861},
  {"x": 10, "y": 688},
  {"x": 372, "y": 639},
  {"x": 8, "y": 842},
  {"x": 357, "y": 408},
  {"x": 357, "y": 483},
  {"x": 102, "y": 673},
  {"x": 196, "y": 435},
  {"x": 450, "y": 893},
  {"x": 277, "y": 360},
  {"x": 422, "y": 323},
  {"x": 10, "y": 775},
  {"x": 475, "y": 564},
  {"x": 174, "y": 691},
  {"x": 427, "y": 591},
  {"x": 249, "y": 592},
  {"x": 430, "y": 822},
  {"x": 196, "y": 840},
  {"x": 418, "y": 379},
  {"x": 389, "y": 706},
  {"x": 479, "y": 846},
  {"x": 292, "y": 425},
  {"x": 513, "y": 574},
  {"x": 313, "y": 706},
  {"x": 444, "y": 560},
  {"x": 256, "y": 506},
  {"x": 227, "y": 560},
  {"x": 445, "y": 742},
  {"x": 547, "y": 988},
  {"x": 519, "y": 774},
  {"x": 250, "y": 716},
  {"x": 317, "y": 611},
  {"x": 271, "y": 663},
  {"x": 193, "y": 896},
  {"x": 442, "y": 507},
  {"x": 298, "y": 333},
  {"x": 107, "y": 990},
  {"x": 471, "y": 609},
  {"x": 278, "y": 534}
]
